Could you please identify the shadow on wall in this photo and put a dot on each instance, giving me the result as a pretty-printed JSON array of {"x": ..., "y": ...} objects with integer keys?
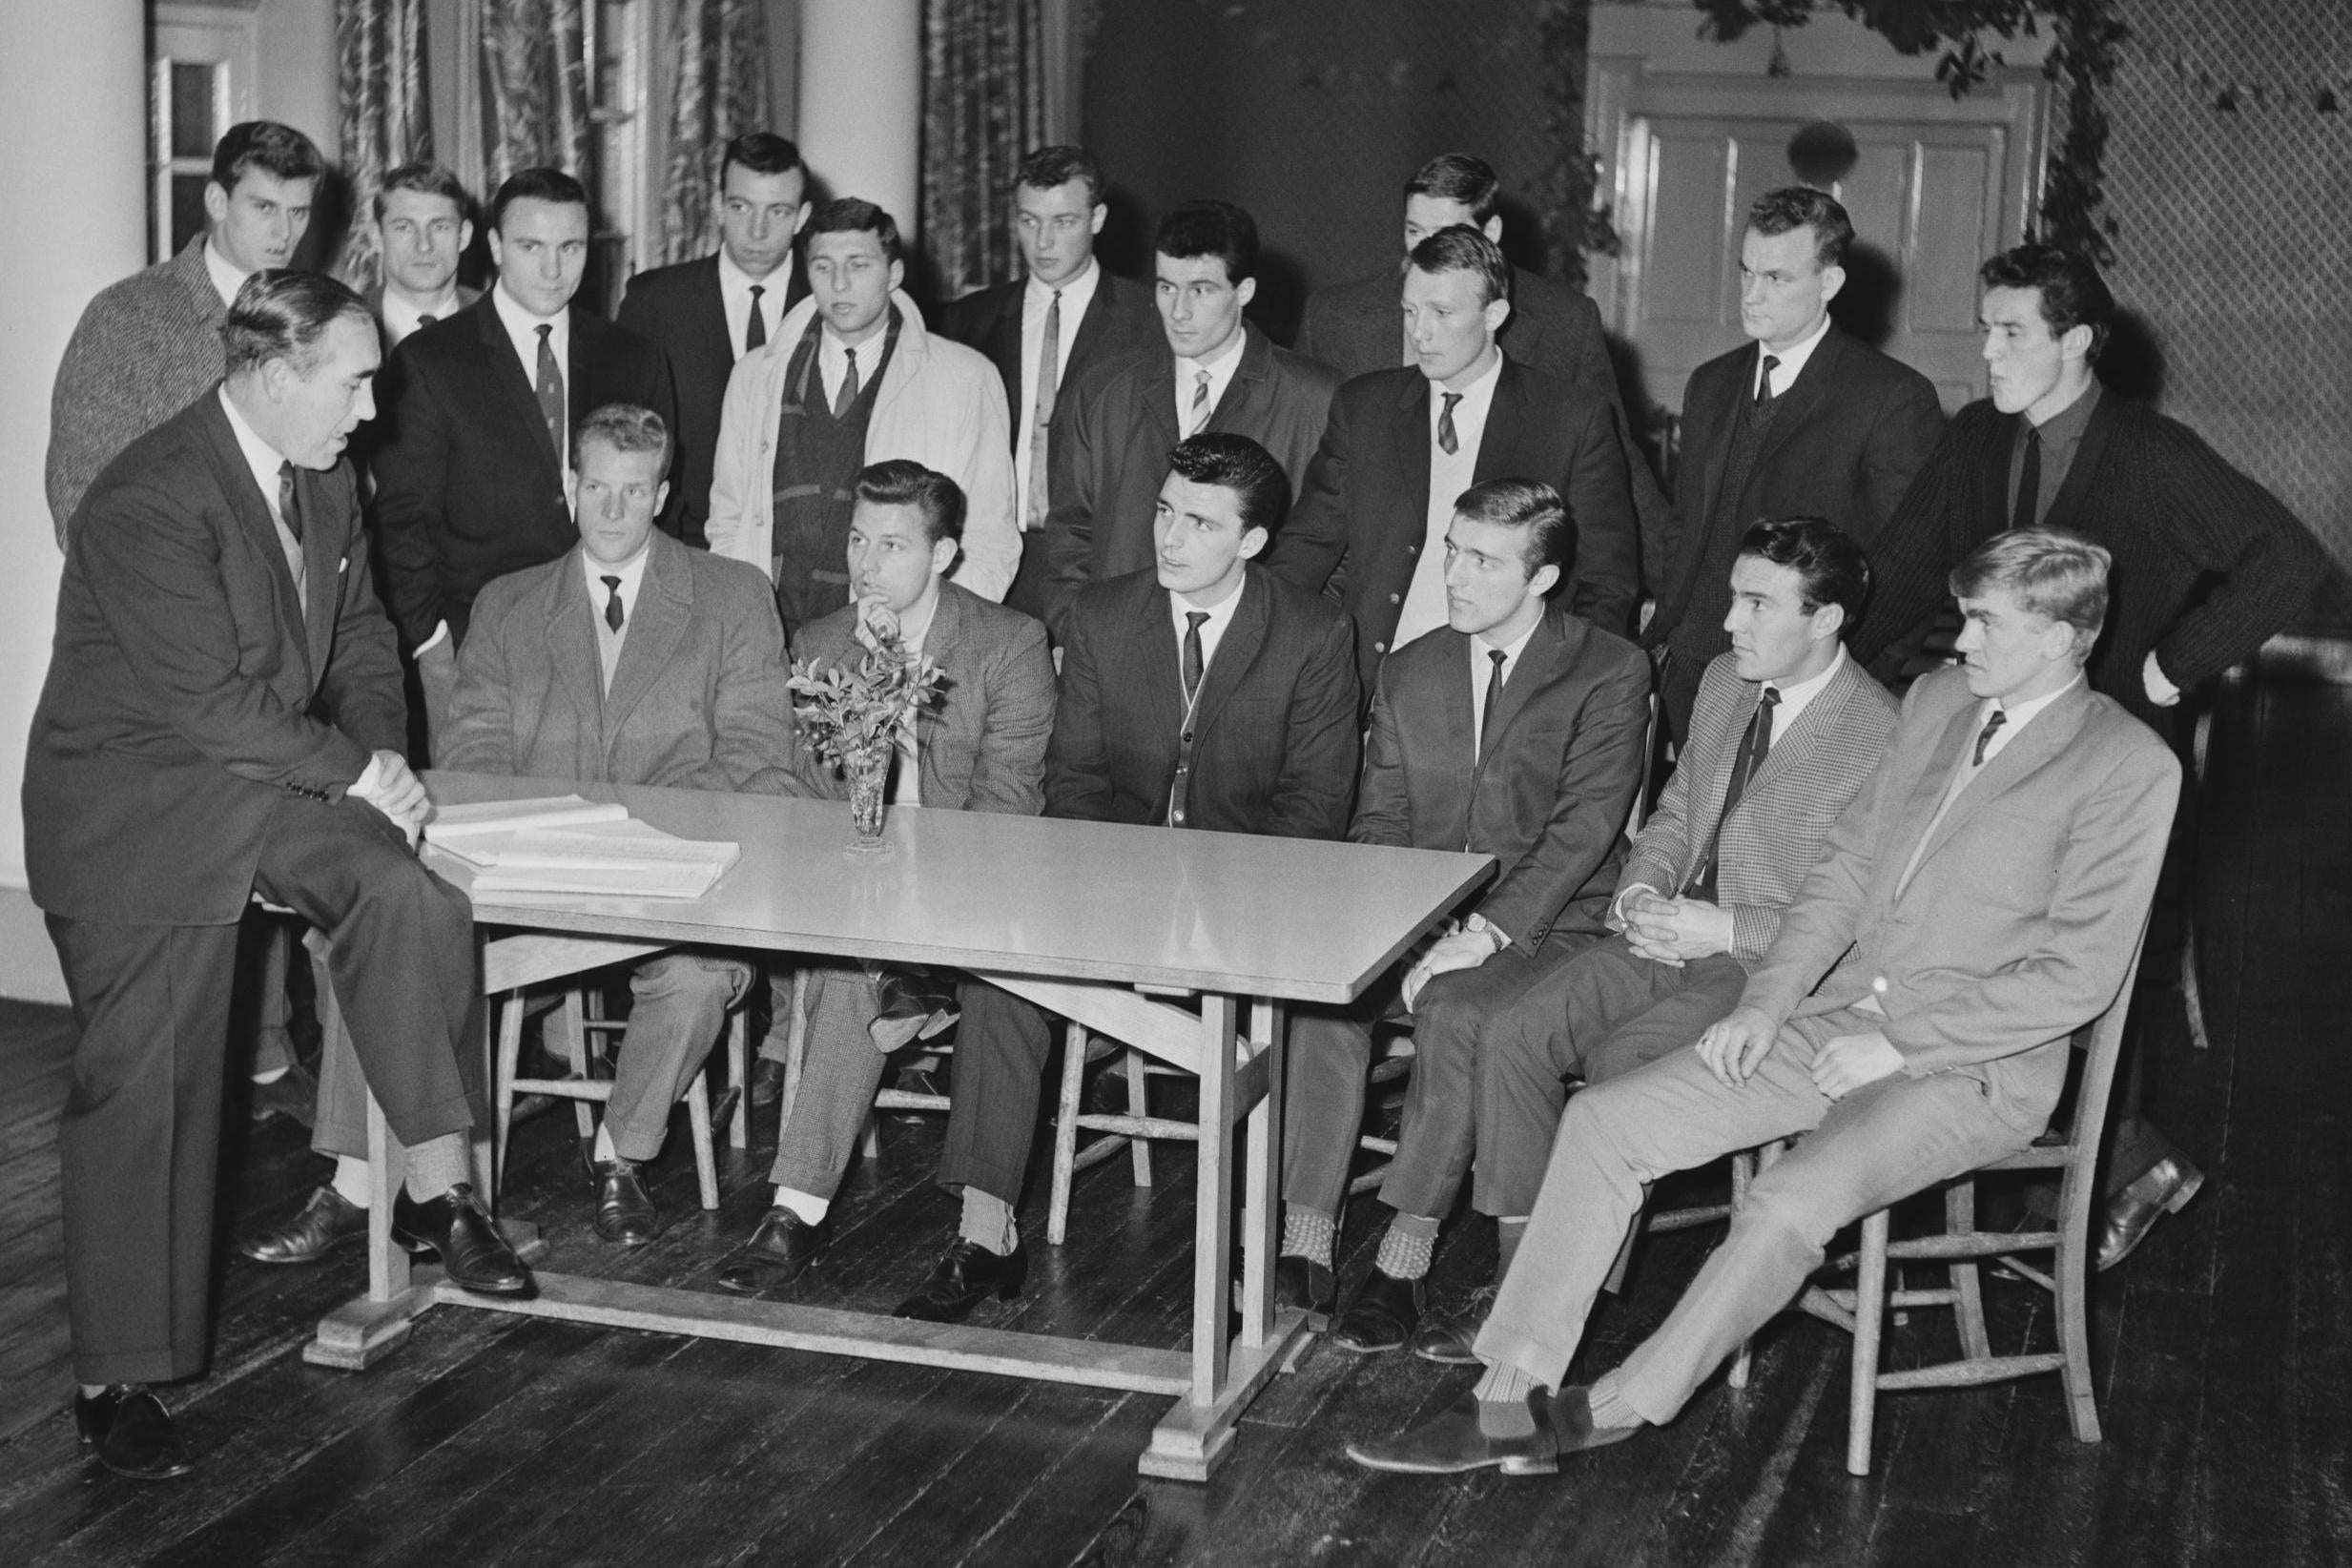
[
  {"x": 1867, "y": 307},
  {"x": 2132, "y": 364}
]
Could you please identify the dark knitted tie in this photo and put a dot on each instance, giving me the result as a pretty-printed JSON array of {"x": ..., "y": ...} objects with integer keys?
[
  {"x": 1447, "y": 440},
  {"x": 1493, "y": 694},
  {"x": 1764, "y": 393},
  {"x": 755, "y": 333},
  {"x": 613, "y": 604},
  {"x": 550, "y": 388},
  {"x": 288, "y": 512},
  {"x": 843, "y": 404},
  {"x": 1984, "y": 736},
  {"x": 1194, "y": 664},
  {"x": 1755, "y": 745},
  {"x": 2029, "y": 481}
]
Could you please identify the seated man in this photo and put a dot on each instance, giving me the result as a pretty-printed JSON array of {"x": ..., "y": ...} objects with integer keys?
[
  {"x": 1513, "y": 730},
  {"x": 1202, "y": 692},
  {"x": 1992, "y": 877},
  {"x": 980, "y": 748}
]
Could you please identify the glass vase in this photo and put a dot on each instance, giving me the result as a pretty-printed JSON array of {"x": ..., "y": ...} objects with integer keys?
[{"x": 869, "y": 779}]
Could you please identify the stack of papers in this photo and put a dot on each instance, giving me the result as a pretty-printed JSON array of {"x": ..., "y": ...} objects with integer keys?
[{"x": 570, "y": 847}]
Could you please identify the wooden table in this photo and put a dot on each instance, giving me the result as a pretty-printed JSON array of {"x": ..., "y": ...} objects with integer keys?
[{"x": 1093, "y": 922}]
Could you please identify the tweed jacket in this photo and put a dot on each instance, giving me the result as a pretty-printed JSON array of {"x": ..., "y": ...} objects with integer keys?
[
  {"x": 1548, "y": 791},
  {"x": 1776, "y": 831},
  {"x": 698, "y": 699},
  {"x": 2026, "y": 908},
  {"x": 145, "y": 348},
  {"x": 1120, "y": 320},
  {"x": 940, "y": 403},
  {"x": 982, "y": 746}
]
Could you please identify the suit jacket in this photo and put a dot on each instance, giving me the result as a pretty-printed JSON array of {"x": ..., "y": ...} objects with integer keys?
[
  {"x": 1775, "y": 831},
  {"x": 679, "y": 307},
  {"x": 698, "y": 699},
  {"x": 1360, "y": 523},
  {"x": 1275, "y": 728},
  {"x": 188, "y": 689},
  {"x": 2027, "y": 906},
  {"x": 145, "y": 348},
  {"x": 1110, "y": 441},
  {"x": 1547, "y": 793},
  {"x": 468, "y": 484},
  {"x": 1121, "y": 319},
  {"x": 982, "y": 748}
]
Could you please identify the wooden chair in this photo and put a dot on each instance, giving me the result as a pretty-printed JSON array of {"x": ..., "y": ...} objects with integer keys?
[
  {"x": 1131, "y": 1130},
  {"x": 2192, "y": 988}
]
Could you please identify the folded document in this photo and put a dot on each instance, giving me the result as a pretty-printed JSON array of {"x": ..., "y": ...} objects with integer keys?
[{"x": 571, "y": 847}]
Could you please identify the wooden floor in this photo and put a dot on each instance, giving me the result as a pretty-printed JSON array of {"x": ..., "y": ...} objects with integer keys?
[{"x": 2224, "y": 1350}]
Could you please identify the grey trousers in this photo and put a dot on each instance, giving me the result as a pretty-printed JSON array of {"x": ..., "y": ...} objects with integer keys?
[
  {"x": 839, "y": 1070},
  {"x": 1001, "y": 1049},
  {"x": 1880, "y": 1143}
]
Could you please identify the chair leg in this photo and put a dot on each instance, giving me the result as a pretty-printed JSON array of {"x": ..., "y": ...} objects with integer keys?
[
  {"x": 1139, "y": 1149},
  {"x": 698, "y": 1122},
  {"x": 574, "y": 1015},
  {"x": 739, "y": 1074},
  {"x": 2072, "y": 1265},
  {"x": 509, "y": 1010},
  {"x": 1870, "y": 1308},
  {"x": 1742, "y": 1172},
  {"x": 1065, "y": 1133},
  {"x": 1615, "y": 1284},
  {"x": 1968, "y": 1297},
  {"x": 2193, "y": 989}
]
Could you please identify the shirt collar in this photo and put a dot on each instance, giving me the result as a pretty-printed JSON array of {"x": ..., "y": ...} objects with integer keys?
[
  {"x": 1221, "y": 363},
  {"x": 735, "y": 279},
  {"x": 1792, "y": 363},
  {"x": 227, "y": 279},
  {"x": 1181, "y": 608},
  {"x": 2021, "y": 712},
  {"x": 1481, "y": 645},
  {"x": 523, "y": 327},
  {"x": 260, "y": 456},
  {"x": 1797, "y": 697},
  {"x": 631, "y": 573},
  {"x": 402, "y": 317},
  {"x": 2065, "y": 427},
  {"x": 1074, "y": 293}
]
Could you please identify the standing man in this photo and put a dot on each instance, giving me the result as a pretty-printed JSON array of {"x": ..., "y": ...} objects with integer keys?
[
  {"x": 2209, "y": 565},
  {"x": 852, "y": 379},
  {"x": 1201, "y": 692},
  {"x": 707, "y": 314},
  {"x": 422, "y": 232},
  {"x": 1401, "y": 444},
  {"x": 1807, "y": 423},
  {"x": 1515, "y": 730},
  {"x": 1044, "y": 332},
  {"x": 216, "y": 604},
  {"x": 1211, "y": 371},
  {"x": 472, "y": 479}
]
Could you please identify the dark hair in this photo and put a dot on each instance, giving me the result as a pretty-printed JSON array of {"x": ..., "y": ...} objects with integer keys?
[
  {"x": 903, "y": 482},
  {"x": 1801, "y": 206},
  {"x": 278, "y": 150},
  {"x": 849, "y": 214},
  {"x": 1831, "y": 567},
  {"x": 1458, "y": 177},
  {"x": 425, "y": 180},
  {"x": 1049, "y": 167},
  {"x": 2051, "y": 572},
  {"x": 280, "y": 314},
  {"x": 624, "y": 427},
  {"x": 1525, "y": 504},
  {"x": 541, "y": 184},
  {"x": 762, "y": 153},
  {"x": 1212, "y": 228},
  {"x": 2072, "y": 292},
  {"x": 1459, "y": 248},
  {"x": 1237, "y": 464}
]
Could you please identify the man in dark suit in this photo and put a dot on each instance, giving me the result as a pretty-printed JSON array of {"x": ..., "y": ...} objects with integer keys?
[
  {"x": 1068, "y": 308},
  {"x": 2208, "y": 565},
  {"x": 979, "y": 748},
  {"x": 1212, "y": 371},
  {"x": 1356, "y": 327},
  {"x": 1401, "y": 444},
  {"x": 421, "y": 231},
  {"x": 1201, "y": 692},
  {"x": 223, "y": 718},
  {"x": 472, "y": 474},
  {"x": 1807, "y": 423},
  {"x": 1515, "y": 730},
  {"x": 708, "y": 314}
]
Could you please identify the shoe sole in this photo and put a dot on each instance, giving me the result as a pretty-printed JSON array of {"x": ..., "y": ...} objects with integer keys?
[
  {"x": 415, "y": 1249},
  {"x": 1525, "y": 1465},
  {"x": 92, "y": 1450},
  {"x": 312, "y": 1257}
]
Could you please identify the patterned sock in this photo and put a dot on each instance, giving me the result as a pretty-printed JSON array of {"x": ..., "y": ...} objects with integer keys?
[
  {"x": 1405, "y": 1250},
  {"x": 1508, "y": 1234},
  {"x": 351, "y": 1179},
  {"x": 1608, "y": 1401},
  {"x": 988, "y": 1222},
  {"x": 1308, "y": 1234},
  {"x": 439, "y": 1164},
  {"x": 1502, "y": 1402}
]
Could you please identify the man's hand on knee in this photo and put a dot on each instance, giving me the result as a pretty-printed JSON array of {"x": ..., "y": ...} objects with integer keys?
[
  {"x": 1849, "y": 1061},
  {"x": 389, "y": 786},
  {"x": 1733, "y": 1047}
]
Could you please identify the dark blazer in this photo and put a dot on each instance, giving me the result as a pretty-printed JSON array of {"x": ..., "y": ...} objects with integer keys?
[
  {"x": 373, "y": 297},
  {"x": 187, "y": 690},
  {"x": 679, "y": 307},
  {"x": 1121, "y": 319},
  {"x": 1111, "y": 438},
  {"x": 468, "y": 484},
  {"x": 1275, "y": 726},
  {"x": 1359, "y": 527},
  {"x": 1548, "y": 792},
  {"x": 982, "y": 747}
]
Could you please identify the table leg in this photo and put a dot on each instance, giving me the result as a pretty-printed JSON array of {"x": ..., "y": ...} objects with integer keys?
[{"x": 360, "y": 1333}]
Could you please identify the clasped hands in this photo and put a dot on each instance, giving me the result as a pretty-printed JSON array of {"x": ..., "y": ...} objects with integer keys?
[
  {"x": 1674, "y": 931},
  {"x": 1734, "y": 1047},
  {"x": 387, "y": 784}
]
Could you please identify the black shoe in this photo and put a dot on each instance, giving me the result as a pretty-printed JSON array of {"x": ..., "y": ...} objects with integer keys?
[
  {"x": 624, "y": 1209},
  {"x": 2164, "y": 1187},
  {"x": 1383, "y": 1316},
  {"x": 127, "y": 1429},
  {"x": 1309, "y": 1285},
  {"x": 783, "y": 1246},
  {"x": 460, "y": 1230},
  {"x": 914, "y": 1005},
  {"x": 294, "y": 1095},
  {"x": 325, "y": 1223},
  {"x": 767, "y": 1084},
  {"x": 966, "y": 1275},
  {"x": 1446, "y": 1338}
]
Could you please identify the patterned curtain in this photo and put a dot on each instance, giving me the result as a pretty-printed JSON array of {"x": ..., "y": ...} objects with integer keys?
[
  {"x": 534, "y": 88},
  {"x": 386, "y": 116},
  {"x": 721, "y": 47},
  {"x": 984, "y": 108}
]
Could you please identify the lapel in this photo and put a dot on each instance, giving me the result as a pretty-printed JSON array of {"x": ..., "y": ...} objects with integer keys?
[
  {"x": 1001, "y": 341},
  {"x": 506, "y": 373},
  {"x": 1457, "y": 699},
  {"x": 1154, "y": 677},
  {"x": 1248, "y": 397},
  {"x": 2075, "y": 487},
  {"x": 323, "y": 563},
  {"x": 1409, "y": 440},
  {"x": 1710, "y": 453},
  {"x": 1712, "y": 787},
  {"x": 709, "y": 309},
  {"x": 1091, "y": 326},
  {"x": 236, "y": 480},
  {"x": 1506, "y": 421},
  {"x": 1549, "y": 653},
  {"x": 1798, "y": 402},
  {"x": 1159, "y": 390},
  {"x": 189, "y": 263},
  {"x": 571, "y": 638},
  {"x": 1818, "y": 716},
  {"x": 1236, "y": 650},
  {"x": 940, "y": 646},
  {"x": 2037, "y": 744},
  {"x": 1991, "y": 475},
  {"x": 665, "y": 604}
]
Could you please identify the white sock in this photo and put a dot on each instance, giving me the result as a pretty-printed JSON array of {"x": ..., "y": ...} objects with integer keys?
[
  {"x": 604, "y": 1143},
  {"x": 351, "y": 1179},
  {"x": 812, "y": 1211},
  {"x": 272, "y": 1074}
]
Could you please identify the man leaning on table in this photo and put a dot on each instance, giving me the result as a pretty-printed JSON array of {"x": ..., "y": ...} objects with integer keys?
[{"x": 1201, "y": 692}]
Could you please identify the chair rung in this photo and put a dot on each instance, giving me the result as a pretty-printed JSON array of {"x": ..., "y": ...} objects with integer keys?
[
  {"x": 1378, "y": 1145},
  {"x": 2027, "y": 1271},
  {"x": 1944, "y": 1296},
  {"x": 609, "y": 1025},
  {"x": 906, "y": 1099},
  {"x": 2038, "y": 1158},
  {"x": 564, "y": 1089},
  {"x": 1096, "y": 1152},
  {"x": 1961, "y": 1374},
  {"x": 1686, "y": 1219},
  {"x": 1391, "y": 1069},
  {"x": 1971, "y": 1244},
  {"x": 1140, "y": 1126}
]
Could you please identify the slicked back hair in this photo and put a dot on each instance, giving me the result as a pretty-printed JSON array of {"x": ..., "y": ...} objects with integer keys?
[
  {"x": 903, "y": 482},
  {"x": 762, "y": 153},
  {"x": 1212, "y": 228},
  {"x": 1831, "y": 567},
  {"x": 853, "y": 214},
  {"x": 542, "y": 184},
  {"x": 2050, "y": 572},
  {"x": 1049, "y": 168},
  {"x": 624, "y": 427},
  {"x": 1460, "y": 248},
  {"x": 1458, "y": 177},
  {"x": 1801, "y": 206},
  {"x": 278, "y": 150},
  {"x": 425, "y": 180},
  {"x": 2072, "y": 293},
  {"x": 1551, "y": 537},
  {"x": 1261, "y": 491},
  {"x": 281, "y": 314}
]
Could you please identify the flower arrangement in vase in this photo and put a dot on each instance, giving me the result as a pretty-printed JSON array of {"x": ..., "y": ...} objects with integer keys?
[{"x": 853, "y": 717}]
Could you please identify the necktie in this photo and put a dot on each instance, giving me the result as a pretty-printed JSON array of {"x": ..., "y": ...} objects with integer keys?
[
  {"x": 1984, "y": 736},
  {"x": 288, "y": 512},
  {"x": 550, "y": 388},
  {"x": 1447, "y": 441},
  {"x": 1200, "y": 401},
  {"x": 613, "y": 604},
  {"x": 1493, "y": 694},
  {"x": 1755, "y": 744},
  {"x": 1048, "y": 368},
  {"x": 1194, "y": 664},
  {"x": 1764, "y": 382},
  {"x": 2029, "y": 488},
  {"x": 755, "y": 331},
  {"x": 842, "y": 404}
]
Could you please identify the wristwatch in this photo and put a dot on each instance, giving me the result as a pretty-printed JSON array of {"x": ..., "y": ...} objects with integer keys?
[{"x": 1488, "y": 929}]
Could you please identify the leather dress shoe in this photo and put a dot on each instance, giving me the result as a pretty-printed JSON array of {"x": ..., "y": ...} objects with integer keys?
[
  {"x": 325, "y": 1223},
  {"x": 1446, "y": 1338},
  {"x": 128, "y": 1430},
  {"x": 767, "y": 1083},
  {"x": 460, "y": 1230},
  {"x": 1383, "y": 1316},
  {"x": 1309, "y": 1285},
  {"x": 1454, "y": 1442},
  {"x": 913, "y": 1004},
  {"x": 2163, "y": 1187},
  {"x": 783, "y": 1246},
  {"x": 294, "y": 1094},
  {"x": 966, "y": 1275},
  {"x": 624, "y": 1209}
]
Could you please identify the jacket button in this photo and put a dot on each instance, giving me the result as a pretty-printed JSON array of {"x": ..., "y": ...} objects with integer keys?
[
  {"x": 1412, "y": 549},
  {"x": 1380, "y": 648},
  {"x": 1395, "y": 599},
  {"x": 1878, "y": 983}
]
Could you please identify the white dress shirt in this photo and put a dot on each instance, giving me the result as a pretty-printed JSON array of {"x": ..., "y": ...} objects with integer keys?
[
  {"x": 1220, "y": 366},
  {"x": 632, "y": 574},
  {"x": 735, "y": 298},
  {"x": 1482, "y": 670},
  {"x": 1036, "y": 298},
  {"x": 1212, "y": 631},
  {"x": 227, "y": 278},
  {"x": 1791, "y": 361},
  {"x": 401, "y": 316},
  {"x": 1425, "y": 600},
  {"x": 832, "y": 359}
]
